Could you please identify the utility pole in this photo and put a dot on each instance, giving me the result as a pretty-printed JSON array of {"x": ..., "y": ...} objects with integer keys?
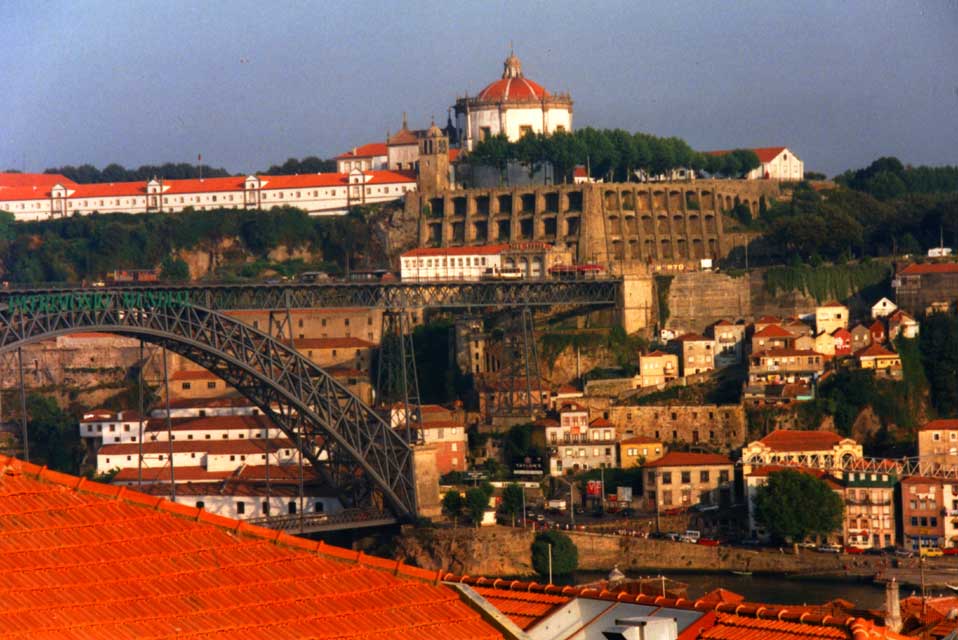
[
  {"x": 169, "y": 427},
  {"x": 550, "y": 565},
  {"x": 23, "y": 408}
]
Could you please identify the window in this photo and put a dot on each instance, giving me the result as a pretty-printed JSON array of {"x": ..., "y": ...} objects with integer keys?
[
  {"x": 484, "y": 133},
  {"x": 211, "y": 385},
  {"x": 185, "y": 386},
  {"x": 525, "y": 130},
  {"x": 686, "y": 477},
  {"x": 723, "y": 477},
  {"x": 703, "y": 476},
  {"x": 291, "y": 507},
  {"x": 666, "y": 477},
  {"x": 200, "y": 504},
  {"x": 240, "y": 508}
]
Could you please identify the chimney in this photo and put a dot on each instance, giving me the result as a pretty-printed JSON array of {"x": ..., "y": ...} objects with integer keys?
[{"x": 892, "y": 606}]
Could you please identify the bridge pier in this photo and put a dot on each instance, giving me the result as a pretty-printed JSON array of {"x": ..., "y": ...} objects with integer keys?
[{"x": 426, "y": 475}]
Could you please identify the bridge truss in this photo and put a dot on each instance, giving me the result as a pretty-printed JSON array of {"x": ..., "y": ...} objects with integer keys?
[
  {"x": 399, "y": 295},
  {"x": 342, "y": 437},
  {"x": 899, "y": 467}
]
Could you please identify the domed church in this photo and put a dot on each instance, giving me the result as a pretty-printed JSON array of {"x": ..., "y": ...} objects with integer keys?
[{"x": 514, "y": 105}]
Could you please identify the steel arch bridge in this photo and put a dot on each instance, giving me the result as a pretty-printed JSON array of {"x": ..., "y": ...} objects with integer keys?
[{"x": 354, "y": 448}]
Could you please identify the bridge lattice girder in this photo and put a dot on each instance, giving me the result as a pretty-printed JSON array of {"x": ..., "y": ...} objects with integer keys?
[
  {"x": 404, "y": 295},
  {"x": 364, "y": 456}
]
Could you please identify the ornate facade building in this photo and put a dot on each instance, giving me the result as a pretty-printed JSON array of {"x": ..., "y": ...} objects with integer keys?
[{"x": 513, "y": 105}]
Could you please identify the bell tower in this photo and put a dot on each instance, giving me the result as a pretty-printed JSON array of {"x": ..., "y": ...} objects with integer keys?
[{"x": 433, "y": 161}]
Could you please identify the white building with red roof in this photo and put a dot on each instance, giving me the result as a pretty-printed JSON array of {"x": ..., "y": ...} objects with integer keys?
[
  {"x": 368, "y": 157},
  {"x": 513, "y": 105},
  {"x": 315, "y": 193},
  {"x": 817, "y": 449},
  {"x": 452, "y": 263},
  {"x": 777, "y": 163}
]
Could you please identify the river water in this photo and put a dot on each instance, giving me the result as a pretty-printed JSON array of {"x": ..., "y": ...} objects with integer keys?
[{"x": 764, "y": 588}]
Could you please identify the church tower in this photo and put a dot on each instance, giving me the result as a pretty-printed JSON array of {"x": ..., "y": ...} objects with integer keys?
[{"x": 433, "y": 161}]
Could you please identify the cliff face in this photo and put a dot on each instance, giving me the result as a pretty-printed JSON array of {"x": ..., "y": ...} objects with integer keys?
[
  {"x": 489, "y": 551},
  {"x": 396, "y": 231}
]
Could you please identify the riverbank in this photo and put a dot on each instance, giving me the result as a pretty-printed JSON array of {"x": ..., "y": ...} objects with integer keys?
[{"x": 505, "y": 551}]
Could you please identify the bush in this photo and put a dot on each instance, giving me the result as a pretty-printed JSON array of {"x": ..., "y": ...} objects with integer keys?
[{"x": 565, "y": 555}]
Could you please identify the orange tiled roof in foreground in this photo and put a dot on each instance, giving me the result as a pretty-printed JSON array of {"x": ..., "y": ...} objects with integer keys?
[
  {"x": 79, "y": 559},
  {"x": 727, "y": 616}
]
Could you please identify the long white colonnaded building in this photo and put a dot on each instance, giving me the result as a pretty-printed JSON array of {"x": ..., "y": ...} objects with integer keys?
[{"x": 40, "y": 196}]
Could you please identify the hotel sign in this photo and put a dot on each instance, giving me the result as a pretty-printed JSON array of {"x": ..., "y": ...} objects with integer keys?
[{"x": 96, "y": 301}]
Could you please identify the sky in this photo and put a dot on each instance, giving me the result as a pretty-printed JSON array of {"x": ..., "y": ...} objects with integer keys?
[{"x": 249, "y": 84}]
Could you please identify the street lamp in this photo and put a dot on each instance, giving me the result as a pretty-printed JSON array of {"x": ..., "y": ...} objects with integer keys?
[{"x": 571, "y": 498}]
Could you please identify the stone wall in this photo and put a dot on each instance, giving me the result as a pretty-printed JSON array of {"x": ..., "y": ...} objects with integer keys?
[
  {"x": 720, "y": 426},
  {"x": 698, "y": 299},
  {"x": 647, "y": 223}
]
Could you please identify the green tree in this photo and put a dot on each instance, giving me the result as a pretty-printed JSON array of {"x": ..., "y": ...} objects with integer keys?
[
  {"x": 452, "y": 505},
  {"x": 565, "y": 555},
  {"x": 477, "y": 501},
  {"x": 54, "y": 436},
  {"x": 174, "y": 269},
  {"x": 794, "y": 505},
  {"x": 512, "y": 501}
]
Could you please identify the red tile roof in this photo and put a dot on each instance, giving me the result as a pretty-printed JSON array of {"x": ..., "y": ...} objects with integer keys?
[
  {"x": 683, "y": 459},
  {"x": 941, "y": 423},
  {"x": 692, "y": 337},
  {"x": 931, "y": 267},
  {"x": 779, "y": 353},
  {"x": 370, "y": 150},
  {"x": 86, "y": 560},
  {"x": 657, "y": 354},
  {"x": 639, "y": 440},
  {"x": 600, "y": 422},
  {"x": 765, "y": 154},
  {"x": 47, "y": 180},
  {"x": 790, "y": 440},
  {"x": 726, "y": 615},
  {"x": 212, "y": 447},
  {"x": 774, "y": 331},
  {"x": 506, "y": 89},
  {"x": 768, "y": 320},
  {"x": 874, "y": 350},
  {"x": 208, "y": 423},
  {"x": 831, "y": 303},
  {"x": 481, "y": 250},
  {"x": 193, "y": 375}
]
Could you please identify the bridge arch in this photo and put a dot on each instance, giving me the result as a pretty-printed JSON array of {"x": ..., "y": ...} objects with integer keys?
[{"x": 364, "y": 457}]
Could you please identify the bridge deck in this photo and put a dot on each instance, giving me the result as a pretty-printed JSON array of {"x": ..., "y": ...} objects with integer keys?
[
  {"x": 409, "y": 295},
  {"x": 321, "y": 522}
]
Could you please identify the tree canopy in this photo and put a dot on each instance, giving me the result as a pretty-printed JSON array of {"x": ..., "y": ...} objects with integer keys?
[
  {"x": 87, "y": 173},
  {"x": 54, "y": 436},
  {"x": 565, "y": 555},
  {"x": 795, "y": 505},
  {"x": 512, "y": 501},
  {"x": 887, "y": 178},
  {"x": 613, "y": 154}
]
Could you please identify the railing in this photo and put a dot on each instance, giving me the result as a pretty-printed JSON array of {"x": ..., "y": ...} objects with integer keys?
[
  {"x": 312, "y": 521},
  {"x": 898, "y": 467}
]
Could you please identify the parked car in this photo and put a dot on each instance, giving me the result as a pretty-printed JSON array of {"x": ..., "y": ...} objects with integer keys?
[
  {"x": 950, "y": 551},
  {"x": 829, "y": 548},
  {"x": 708, "y": 542},
  {"x": 854, "y": 550},
  {"x": 805, "y": 544},
  {"x": 673, "y": 536},
  {"x": 931, "y": 552},
  {"x": 904, "y": 553}
]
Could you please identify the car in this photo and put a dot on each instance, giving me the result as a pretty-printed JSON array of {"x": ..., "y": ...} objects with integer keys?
[
  {"x": 540, "y": 517},
  {"x": 829, "y": 548},
  {"x": 904, "y": 553},
  {"x": 805, "y": 544},
  {"x": 950, "y": 551},
  {"x": 854, "y": 550},
  {"x": 750, "y": 542},
  {"x": 930, "y": 552},
  {"x": 673, "y": 536},
  {"x": 708, "y": 542}
]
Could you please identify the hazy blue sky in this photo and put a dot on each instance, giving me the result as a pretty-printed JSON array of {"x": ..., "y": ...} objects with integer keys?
[{"x": 249, "y": 84}]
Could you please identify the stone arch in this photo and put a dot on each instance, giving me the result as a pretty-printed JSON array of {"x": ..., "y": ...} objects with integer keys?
[
  {"x": 628, "y": 200},
  {"x": 324, "y": 419}
]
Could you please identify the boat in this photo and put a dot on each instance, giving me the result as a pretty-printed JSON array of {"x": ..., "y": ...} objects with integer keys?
[{"x": 748, "y": 573}]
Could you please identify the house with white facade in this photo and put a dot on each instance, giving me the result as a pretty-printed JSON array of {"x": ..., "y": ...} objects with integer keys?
[
  {"x": 463, "y": 264},
  {"x": 777, "y": 163}
]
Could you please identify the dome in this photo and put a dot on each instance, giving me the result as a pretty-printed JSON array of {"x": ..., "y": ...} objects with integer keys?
[{"x": 512, "y": 86}]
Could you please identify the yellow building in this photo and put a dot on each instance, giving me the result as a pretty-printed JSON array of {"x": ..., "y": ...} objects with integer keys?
[
  {"x": 817, "y": 449},
  {"x": 638, "y": 451},
  {"x": 657, "y": 368},
  {"x": 682, "y": 480},
  {"x": 880, "y": 359},
  {"x": 830, "y": 316},
  {"x": 938, "y": 442}
]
